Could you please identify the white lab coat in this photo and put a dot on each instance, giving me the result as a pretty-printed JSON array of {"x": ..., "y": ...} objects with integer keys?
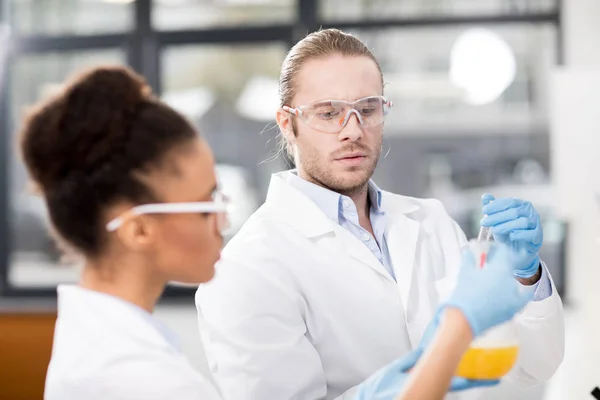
[
  {"x": 105, "y": 349},
  {"x": 301, "y": 309}
]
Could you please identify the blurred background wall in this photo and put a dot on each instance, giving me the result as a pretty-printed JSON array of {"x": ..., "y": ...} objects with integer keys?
[{"x": 497, "y": 96}]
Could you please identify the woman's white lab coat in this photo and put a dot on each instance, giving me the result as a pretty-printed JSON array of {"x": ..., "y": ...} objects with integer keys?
[
  {"x": 106, "y": 349},
  {"x": 301, "y": 309}
]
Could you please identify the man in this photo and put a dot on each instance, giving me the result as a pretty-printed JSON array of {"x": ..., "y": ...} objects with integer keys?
[{"x": 332, "y": 278}]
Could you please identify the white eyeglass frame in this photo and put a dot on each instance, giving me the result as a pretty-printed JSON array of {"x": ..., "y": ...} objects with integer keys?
[{"x": 219, "y": 206}]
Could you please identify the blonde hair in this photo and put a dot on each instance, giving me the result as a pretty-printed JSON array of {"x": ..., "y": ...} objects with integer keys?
[{"x": 318, "y": 44}]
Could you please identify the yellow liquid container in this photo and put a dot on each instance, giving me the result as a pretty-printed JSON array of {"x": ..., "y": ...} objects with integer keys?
[{"x": 493, "y": 354}]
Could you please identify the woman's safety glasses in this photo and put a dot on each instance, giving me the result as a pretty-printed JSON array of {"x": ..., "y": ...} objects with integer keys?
[
  {"x": 219, "y": 206},
  {"x": 331, "y": 116}
]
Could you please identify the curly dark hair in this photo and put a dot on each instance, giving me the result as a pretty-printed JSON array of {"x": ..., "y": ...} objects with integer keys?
[{"x": 85, "y": 146}]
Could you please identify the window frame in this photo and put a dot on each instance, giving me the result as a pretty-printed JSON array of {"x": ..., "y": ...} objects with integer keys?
[{"x": 143, "y": 45}]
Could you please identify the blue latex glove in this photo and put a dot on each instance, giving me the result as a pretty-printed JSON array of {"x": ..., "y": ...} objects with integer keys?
[
  {"x": 490, "y": 295},
  {"x": 457, "y": 383},
  {"x": 515, "y": 223},
  {"x": 388, "y": 382}
]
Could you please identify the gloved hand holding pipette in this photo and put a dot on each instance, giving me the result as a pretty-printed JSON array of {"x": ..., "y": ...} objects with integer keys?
[{"x": 515, "y": 223}]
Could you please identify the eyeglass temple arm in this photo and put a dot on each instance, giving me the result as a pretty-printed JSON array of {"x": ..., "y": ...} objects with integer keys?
[{"x": 297, "y": 112}]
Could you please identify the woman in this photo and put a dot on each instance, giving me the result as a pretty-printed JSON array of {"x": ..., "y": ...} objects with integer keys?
[{"x": 131, "y": 187}]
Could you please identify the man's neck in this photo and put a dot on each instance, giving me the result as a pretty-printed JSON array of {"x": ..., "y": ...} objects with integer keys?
[
  {"x": 361, "y": 201},
  {"x": 360, "y": 196},
  {"x": 363, "y": 208}
]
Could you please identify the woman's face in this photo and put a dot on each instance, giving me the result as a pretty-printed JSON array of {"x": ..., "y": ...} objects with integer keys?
[{"x": 186, "y": 246}]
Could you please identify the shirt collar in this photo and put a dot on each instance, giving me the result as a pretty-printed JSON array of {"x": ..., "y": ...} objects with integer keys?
[
  {"x": 375, "y": 196},
  {"x": 330, "y": 202}
]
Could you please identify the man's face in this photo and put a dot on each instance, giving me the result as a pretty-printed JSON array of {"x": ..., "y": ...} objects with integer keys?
[{"x": 344, "y": 161}]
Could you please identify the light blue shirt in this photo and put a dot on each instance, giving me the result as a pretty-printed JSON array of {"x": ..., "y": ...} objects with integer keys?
[{"x": 342, "y": 210}]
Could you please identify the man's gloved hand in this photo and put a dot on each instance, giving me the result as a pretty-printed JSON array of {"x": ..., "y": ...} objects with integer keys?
[
  {"x": 388, "y": 382},
  {"x": 516, "y": 224}
]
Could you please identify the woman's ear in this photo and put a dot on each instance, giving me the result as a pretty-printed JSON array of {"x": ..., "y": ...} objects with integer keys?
[{"x": 137, "y": 233}]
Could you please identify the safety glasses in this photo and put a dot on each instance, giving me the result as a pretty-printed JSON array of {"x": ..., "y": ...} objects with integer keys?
[
  {"x": 219, "y": 206},
  {"x": 331, "y": 116}
]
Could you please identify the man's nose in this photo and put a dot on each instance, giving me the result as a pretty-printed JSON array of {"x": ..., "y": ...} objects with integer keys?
[{"x": 352, "y": 127}]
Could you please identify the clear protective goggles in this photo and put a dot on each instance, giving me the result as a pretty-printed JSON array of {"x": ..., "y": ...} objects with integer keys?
[
  {"x": 331, "y": 116},
  {"x": 220, "y": 206}
]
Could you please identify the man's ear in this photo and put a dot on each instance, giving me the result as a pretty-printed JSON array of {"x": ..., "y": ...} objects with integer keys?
[
  {"x": 284, "y": 121},
  {"x": 287, "y": 128}
]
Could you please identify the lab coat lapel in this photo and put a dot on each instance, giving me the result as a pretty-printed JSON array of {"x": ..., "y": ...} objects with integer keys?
[
  {"x": 402, "y": 236},
  {"x": 290, "y": 205},
  {"x": 357, "y": 250}
]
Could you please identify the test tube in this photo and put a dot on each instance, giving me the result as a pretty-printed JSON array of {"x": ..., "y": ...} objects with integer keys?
[
  {"x": 484, "y": 238},
  {"x": 485, "y": 234}
]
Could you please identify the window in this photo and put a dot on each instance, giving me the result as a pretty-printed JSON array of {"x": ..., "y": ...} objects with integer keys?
[
  {"x": 521, "y": 90},
  {"x": 438, "y": 67},
  {"x": 337, "y": 10},
  {"x": 34, "y": 257},
  {"x": 416, "y": 66},
  {"x": 230, "y": 93},
  {"x": 218, "y": 61},
  {"x": 190, "y": 14},
  {"x": 73, "y": 17}
]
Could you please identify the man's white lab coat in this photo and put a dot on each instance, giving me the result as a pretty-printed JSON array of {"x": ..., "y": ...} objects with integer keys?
[{"x": 302, "y": 309}]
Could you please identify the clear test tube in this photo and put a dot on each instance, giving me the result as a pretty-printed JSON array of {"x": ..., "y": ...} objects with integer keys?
[
  {"x": 485, "y": 234},
  {"x": 484, "y": 240}
]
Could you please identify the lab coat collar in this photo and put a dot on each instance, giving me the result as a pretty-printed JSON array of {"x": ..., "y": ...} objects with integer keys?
[
  {"x": 103, "y": 312},
  {"x": 294, "y": 206},
  {"x": 329, "y": 201},
  {"x": 291, "y": 206}
]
